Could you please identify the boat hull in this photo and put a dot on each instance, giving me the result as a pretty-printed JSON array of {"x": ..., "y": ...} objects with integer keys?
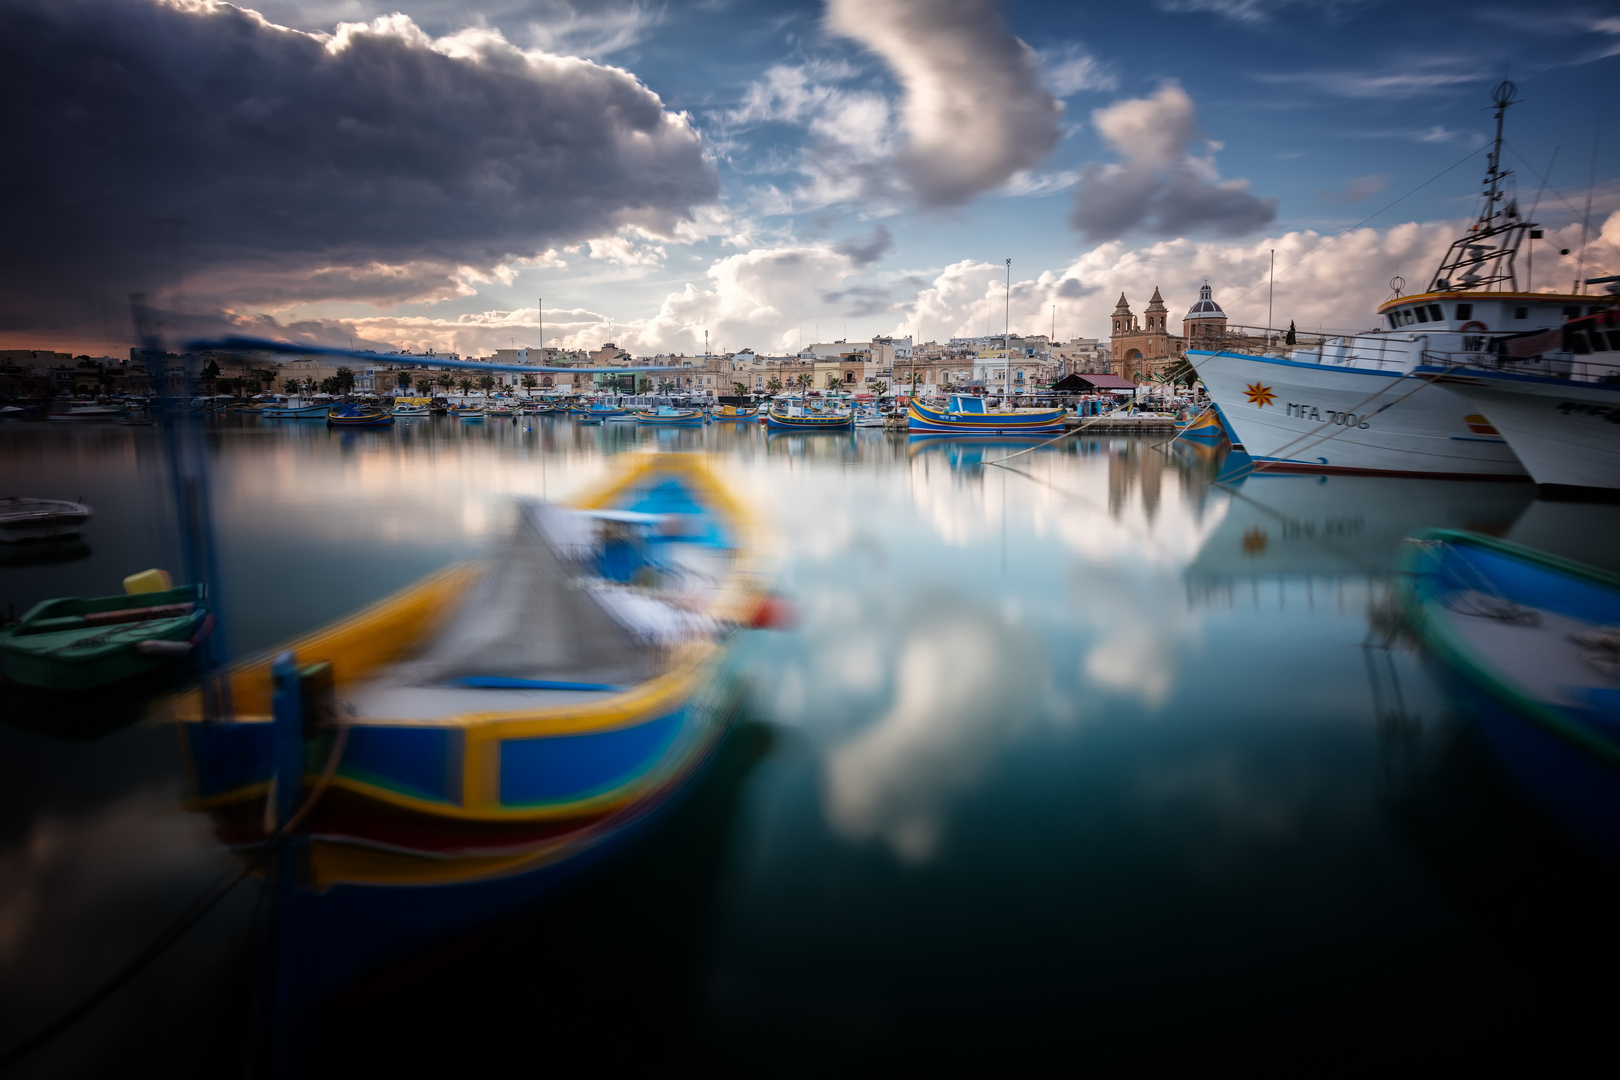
[
  {"x": 96, "y": 657},
  {"x": 1566, "y": 433},
  {"x": 1560, "y": 743},
  {"x": 777, "y": 422},
  {"x": 1296, "y": 417},
  {"x": 921, "y": 417}
]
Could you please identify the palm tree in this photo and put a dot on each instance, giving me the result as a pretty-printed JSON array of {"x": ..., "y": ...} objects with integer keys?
[
  {"x": 805, "y": 380},
  {"x": 345, "y": 379},
  {"x": 739, "y": 390},
  {"x": 529, "y": 383},
  {"x": 773, "y": 385},
  {"x": 291, "y": 386},
  {"x": 404, "y": 380},
  {"x": 644, "y": 384},
  {"x": 446, "y": 380},
  {"x": 466, "y": 385},
  {"x": 832, "y": 380},
  {"x": 486, "y": 383}
]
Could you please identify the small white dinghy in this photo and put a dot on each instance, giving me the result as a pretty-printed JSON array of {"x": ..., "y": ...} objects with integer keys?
[{"x": 40, "y": 519}]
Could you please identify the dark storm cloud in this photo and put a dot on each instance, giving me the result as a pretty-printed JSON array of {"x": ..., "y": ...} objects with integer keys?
[
  {"x": 868, "y": 251},
  {"x": 1161, "y": 186},
  {"x": 974, "y": 109},
  {"x": 150, "y": 141}
]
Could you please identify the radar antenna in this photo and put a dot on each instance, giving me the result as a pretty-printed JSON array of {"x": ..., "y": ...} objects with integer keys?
[{"x": 1482, "y": 258}]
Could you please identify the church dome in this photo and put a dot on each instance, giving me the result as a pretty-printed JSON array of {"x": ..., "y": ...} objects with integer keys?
[{"x": 1205, "y": 308}]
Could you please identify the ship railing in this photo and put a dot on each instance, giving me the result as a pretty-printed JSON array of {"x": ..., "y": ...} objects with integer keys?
[
  {"x": 1331, "y": 348},
  {"x": 1552, "y": 365}
]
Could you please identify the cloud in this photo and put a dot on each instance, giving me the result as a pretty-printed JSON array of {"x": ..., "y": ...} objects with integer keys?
[
  {"x": 200, "y": 145},
  {"x": 1068, "y": 69},
  {"x": 1408, "y": 77},
  {"x": 1161, "y": 187},
  {"x": 1356, "y": 188},
  {"x": 869, "y": 251},
  {"x": 974, "y": 112}
]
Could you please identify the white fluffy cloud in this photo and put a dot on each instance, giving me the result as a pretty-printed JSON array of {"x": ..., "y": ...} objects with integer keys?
[
  {"x": 974, "y": 110},
  {"x": 1161, "y": 186}
]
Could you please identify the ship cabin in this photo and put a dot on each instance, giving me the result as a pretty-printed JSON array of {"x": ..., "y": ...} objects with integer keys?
[
  {"x": 1486, "y": 313},
  {"x": 965, "y": 403}
]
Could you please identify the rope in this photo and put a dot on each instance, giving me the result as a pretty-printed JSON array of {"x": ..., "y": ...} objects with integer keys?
[
  {"x": 189, "y": 917},
  {"x": 1056, "y": 438}
]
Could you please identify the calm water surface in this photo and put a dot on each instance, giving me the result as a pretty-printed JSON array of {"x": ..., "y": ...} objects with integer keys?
[{"x": 1075, "y": 763}]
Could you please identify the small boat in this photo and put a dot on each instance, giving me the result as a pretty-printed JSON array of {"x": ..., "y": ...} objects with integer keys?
[
  {"x": 868, "y": 417},
  {"x": 793, "y": 415},
  {"x": 965, "y": 414},
  {"x": 40, "y": 519},
  {"x": 1531, "y": 646},
  {"x": 12, "y": 412},
  {"x": 359, "y": 416},
  {"x": 469, "y": 413},
  {"x": 88, "y": 413},
  {"x": 737, "y": 412},
  {"x": 88, "y": 644},
  {"x": 1205, "y": 427},
  {"x": 296, "y": 408},
  {"x": 669, "y": 415},
  {"x": 410, "y": 410},
  {"x": 505, "y": 725},
  {"x": 500, "y": 412}
]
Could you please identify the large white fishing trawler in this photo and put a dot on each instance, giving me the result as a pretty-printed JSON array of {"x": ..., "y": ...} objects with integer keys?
[{"x": 1372, "y": 402}]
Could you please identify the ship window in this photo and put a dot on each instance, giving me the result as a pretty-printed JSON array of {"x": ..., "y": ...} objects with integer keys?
[
  {"x": 1435, "y": 313},
  {"x": 1422, "y": 315},
  {"x": 1394, "y": 320},
  {"x": 1406, "y": 316},
  {"x": 1521, "y": 313},
  {"x": 1465, "y": 312}
]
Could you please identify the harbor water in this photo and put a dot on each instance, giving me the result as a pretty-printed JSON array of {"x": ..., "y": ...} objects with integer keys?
[{"x": 1082, "y": 758}]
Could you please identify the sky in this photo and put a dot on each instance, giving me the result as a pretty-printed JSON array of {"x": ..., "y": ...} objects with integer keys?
[{"x": 485, "y": 174}]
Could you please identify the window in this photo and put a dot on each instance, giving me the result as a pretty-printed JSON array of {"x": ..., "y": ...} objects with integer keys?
[
  {"x": 1521, "y": 313},
  {"x": 1465, "y": 312},
  {"x": 1406, "y": 316},
  {"x": 1395, "y": 320},
  {"x": 1422, "y": 314},
  {"x": 1435, "y": 313}
]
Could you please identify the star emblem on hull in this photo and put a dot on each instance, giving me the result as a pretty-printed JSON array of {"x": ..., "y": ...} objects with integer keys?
[{"x": 1258, "y": 395}]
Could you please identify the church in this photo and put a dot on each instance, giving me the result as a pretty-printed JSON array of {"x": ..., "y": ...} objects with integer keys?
[{"x": 1146, "y": 347}]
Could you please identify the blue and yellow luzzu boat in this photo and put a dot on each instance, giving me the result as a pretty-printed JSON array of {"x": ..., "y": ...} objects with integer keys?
[
  {"x": 1206, "y": 427},
  {"x": 353, "y": 416},
  {"x": 737, "y": 412},
  {"x": 1530, "y": 646},
  {"x": 669, "y": 415},
  {"x": 795, "y": 417},
  {"x": 965, "y": 414},
  {"x": 510, "y": 723}
]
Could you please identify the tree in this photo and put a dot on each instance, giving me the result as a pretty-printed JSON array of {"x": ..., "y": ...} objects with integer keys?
[
  {"x": 739, "y": 390},
  {"x": 665, "y": 386},
  {"x": 446, "y": 380},
  {"x": 644, "y": 384},
  {"x": 832, "y": 380},
  {"x": 529, "y": 383},
  {"x": 345, "y": 379},
  {"x": 486, "y": 383},
  {"x": 466, "y": 385},
  {"x": 880, "y": 388},
  {"x": 210, "y": 370},
  {"x": 773, "y": 385},
  {"x": 290, "y": 386},
  {"x": 1181, "y": 372},
  {"x": 404, "y": 380},
  {"x": 331, "y": 385},
  {"x": 805, "y": 380}
]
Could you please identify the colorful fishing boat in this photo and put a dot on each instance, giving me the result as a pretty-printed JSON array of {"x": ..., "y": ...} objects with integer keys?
[
  {"x": 469, "y": 413},
  {"x": 668, "y": 415},
  {"x": 359, "y": 416},
  {"x": 965, "y": 414},
  {"x": 1204, "y": 427},
  {"x": 737, "y": 412},
  {"x": 82, "y": 644},
  {"x": 505, "y": 725},
  {"x": 1530, "y": 644},
  {"x": 410, "y": 408},
  {"x": 500, "y": 412}
]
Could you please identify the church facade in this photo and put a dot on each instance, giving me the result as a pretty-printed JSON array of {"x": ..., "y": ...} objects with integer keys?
[{"x": 1144, "y": 347}]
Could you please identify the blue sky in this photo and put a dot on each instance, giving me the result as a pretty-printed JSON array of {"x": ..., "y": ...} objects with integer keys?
[{"x": 873, "y": 164}]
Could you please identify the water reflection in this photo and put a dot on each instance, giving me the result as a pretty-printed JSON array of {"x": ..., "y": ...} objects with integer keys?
[{"x": 1064, "y": 749}]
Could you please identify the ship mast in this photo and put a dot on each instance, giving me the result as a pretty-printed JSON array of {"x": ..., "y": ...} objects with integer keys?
[{"x": 1482, "y": 258}]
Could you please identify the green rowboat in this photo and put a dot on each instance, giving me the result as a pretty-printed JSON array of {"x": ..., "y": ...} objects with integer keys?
[{"x": 86, "y": 644}]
